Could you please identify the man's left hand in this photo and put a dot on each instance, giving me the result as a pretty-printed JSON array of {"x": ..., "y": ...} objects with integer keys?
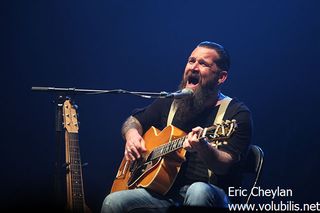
[{"x": 192, "y": 142}]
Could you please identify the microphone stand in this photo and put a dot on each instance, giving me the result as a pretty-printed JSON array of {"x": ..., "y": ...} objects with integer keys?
[
  {"x": 58, "y": 164},
  {"x": 59, "y": 129}
]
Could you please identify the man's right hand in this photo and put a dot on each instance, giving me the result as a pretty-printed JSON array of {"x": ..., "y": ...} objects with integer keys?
[{"x": 135, "y": 145}]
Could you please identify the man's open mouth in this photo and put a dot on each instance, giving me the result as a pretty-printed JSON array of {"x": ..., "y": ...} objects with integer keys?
[{"x": 193, "y": 79}]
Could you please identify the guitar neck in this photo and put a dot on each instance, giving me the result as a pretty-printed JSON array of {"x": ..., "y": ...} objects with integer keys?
[
  {"x": 167, "y": 148},
  {"x": 176, "y": 144},
  {"x": 75, "y": 192}
]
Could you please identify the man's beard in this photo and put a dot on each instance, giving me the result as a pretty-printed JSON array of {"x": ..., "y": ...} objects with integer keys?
[{"x": 190, "y": 107}]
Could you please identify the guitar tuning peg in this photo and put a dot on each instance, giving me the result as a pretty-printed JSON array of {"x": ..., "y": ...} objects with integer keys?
[{"x": 65, "y": 165}]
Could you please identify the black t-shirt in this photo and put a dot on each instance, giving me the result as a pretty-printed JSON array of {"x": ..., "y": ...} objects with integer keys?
[{"x": 194, "y": 170}]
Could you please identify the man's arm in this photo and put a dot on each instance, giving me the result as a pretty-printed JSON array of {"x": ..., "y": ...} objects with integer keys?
[
  {"x": 131, "y": 123},
  {"x": 131, "y": 133}
]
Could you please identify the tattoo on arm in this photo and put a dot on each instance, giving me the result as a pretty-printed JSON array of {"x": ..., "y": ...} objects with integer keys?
[{"x": 131, "y": 123}]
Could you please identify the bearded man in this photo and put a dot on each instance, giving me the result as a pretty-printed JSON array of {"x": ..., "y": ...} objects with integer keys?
[{"x": 208, "y": 170}]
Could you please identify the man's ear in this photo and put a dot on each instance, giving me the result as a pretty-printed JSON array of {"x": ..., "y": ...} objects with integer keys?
[{"x": 223, "y": 75}]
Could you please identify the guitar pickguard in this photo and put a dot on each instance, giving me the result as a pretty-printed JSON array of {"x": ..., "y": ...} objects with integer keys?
[{"x": 140, "y": 168}]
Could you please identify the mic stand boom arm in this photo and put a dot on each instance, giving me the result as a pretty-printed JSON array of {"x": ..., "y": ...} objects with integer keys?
[{"x": 73, "y": 91}]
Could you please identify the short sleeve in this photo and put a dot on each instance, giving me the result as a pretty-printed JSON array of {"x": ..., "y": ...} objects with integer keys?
[
  {"x": 154, "y": 114},
  {"x": 240, "y": 140}
]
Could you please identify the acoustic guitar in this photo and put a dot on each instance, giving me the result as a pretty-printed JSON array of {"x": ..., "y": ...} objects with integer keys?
[
  {"x": 75, "y": 192},
  {"x": 160, "y": 164}
]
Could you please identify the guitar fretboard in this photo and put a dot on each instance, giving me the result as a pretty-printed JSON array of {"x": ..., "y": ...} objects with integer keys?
[
  {"x": 74, "y": 170},
  {"x": 167, "y": 148},
  {"x": 178, "y": 143}
]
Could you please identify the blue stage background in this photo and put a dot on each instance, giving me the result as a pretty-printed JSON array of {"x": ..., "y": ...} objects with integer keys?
[{"x": 143, "y": 46}]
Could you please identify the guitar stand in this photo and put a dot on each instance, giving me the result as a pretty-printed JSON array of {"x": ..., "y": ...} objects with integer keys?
[{"x": 59, "y": 167}]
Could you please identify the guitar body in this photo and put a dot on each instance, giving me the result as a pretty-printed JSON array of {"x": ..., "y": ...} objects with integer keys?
[
  {"x": 159, "y": 165},
  {"x": 158, "y": 174}
]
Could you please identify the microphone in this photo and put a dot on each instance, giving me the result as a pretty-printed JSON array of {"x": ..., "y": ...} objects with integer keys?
[{"x": 186, "y": 92}]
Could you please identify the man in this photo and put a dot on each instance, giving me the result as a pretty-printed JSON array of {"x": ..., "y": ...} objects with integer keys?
[{"x": 208, "y": 171}]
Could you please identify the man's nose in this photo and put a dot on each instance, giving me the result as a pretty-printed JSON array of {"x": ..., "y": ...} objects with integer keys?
[{"x": 195, "y": 66}]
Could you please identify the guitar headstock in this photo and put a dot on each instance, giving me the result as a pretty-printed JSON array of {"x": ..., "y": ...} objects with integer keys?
[
  {"x": 70, "y": 120},
  {"x": 218, "y": 133}
]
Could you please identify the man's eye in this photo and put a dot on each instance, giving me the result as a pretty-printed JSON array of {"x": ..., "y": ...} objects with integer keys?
[{"x": 204, "y": 64}]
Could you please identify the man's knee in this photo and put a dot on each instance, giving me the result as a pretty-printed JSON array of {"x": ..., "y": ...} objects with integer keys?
[
  {"x": 112, "y": 203},
  {"x": 199, "y": 190},
  {"x": 204, "y": 194}
]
